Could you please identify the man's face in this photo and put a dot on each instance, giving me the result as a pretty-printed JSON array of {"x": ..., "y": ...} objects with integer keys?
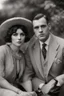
[{"x": 41, "y": 29}]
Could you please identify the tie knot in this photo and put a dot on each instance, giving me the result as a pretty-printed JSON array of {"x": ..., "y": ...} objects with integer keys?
[{"x": 44, "y": 45}]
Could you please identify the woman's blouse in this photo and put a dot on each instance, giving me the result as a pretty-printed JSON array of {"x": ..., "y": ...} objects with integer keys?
[{"x": 11, "y": 65}]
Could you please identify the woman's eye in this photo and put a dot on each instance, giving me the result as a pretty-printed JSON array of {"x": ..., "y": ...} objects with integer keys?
[
  {"x": 22, "y": 34},
  {"x": 15, "y": 34}
]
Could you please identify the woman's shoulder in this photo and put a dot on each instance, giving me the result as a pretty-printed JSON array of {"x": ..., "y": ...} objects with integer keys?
[{"x": 3, "y": 48}]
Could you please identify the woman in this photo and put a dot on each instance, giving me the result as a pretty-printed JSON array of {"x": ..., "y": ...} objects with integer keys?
[{"x": 12, "y": 62}]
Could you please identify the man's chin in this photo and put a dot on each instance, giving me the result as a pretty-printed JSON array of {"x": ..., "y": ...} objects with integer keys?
[{"x": 42, "y": 39}]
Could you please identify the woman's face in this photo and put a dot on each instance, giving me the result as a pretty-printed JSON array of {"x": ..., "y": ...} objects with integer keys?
[{"x": 18, "y": 37}]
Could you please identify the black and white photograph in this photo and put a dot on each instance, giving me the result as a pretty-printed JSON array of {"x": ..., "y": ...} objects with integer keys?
[{"x": 31, "y": 47}]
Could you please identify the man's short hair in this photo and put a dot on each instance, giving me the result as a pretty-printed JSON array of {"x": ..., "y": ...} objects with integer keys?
[{"x": 40, "y": 15}]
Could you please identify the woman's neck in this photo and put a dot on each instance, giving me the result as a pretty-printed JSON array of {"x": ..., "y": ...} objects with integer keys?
[{"x": 14, "y": 48}]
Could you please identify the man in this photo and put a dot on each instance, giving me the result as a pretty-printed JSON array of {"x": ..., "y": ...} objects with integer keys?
[{"x": 44, "y": 68}]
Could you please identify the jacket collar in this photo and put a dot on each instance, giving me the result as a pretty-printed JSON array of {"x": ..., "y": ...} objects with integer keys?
[{"x": 52, "y": 51}]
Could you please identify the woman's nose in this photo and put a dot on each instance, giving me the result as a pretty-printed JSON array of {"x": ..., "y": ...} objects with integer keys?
[{"x": 19, "y": 36}]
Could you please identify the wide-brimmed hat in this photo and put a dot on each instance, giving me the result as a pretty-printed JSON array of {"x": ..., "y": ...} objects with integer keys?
[{"x": 15, "y": 21}]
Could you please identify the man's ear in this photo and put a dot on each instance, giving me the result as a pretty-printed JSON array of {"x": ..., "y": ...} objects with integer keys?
[{"x": 49, "y": 26}]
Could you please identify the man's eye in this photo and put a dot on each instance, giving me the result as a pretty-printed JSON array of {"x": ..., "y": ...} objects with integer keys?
[
  {"x": 36, "y": 27},
  {"x": 43, "y": 26}
]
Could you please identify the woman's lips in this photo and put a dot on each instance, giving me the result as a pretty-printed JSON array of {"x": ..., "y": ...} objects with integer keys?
[{"x": 19, "y": 42}]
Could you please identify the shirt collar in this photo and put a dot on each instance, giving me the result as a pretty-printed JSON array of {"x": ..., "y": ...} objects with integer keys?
[{"x": 47, "y": 42}]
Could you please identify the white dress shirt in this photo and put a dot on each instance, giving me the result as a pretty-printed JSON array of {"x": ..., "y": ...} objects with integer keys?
[{"x": 46, "y": 42}]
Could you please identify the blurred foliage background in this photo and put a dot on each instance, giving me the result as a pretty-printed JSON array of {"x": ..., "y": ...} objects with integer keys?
[{"x": 28, "y": 9}]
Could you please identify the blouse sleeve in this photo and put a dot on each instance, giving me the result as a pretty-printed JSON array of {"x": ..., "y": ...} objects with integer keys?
[{"x": 2, "y": 60}]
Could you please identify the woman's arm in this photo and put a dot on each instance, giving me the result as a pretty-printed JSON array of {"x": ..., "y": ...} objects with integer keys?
[{"x": 5, "y": 84}]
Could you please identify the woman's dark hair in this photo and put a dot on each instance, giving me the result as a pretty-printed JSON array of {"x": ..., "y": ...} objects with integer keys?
[{"x": 13, "y": 29}]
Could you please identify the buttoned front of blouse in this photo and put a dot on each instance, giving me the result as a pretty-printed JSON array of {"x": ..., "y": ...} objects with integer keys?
[{"x": 8, "y": 64}]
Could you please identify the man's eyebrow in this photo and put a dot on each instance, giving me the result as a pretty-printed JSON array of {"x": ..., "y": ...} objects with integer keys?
[
  {"x": 40, "y": 26},
  {"x": 36, "y": 27},
  {"x": 43, "y": 25}
]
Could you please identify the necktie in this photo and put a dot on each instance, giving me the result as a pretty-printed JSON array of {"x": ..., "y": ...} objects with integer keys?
[{"x": 44, "y": 50}]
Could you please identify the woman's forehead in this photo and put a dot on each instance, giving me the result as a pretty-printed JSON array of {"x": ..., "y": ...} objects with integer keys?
[{"x": 19, "y": 30}]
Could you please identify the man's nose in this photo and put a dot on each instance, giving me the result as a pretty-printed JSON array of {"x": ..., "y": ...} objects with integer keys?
[{"x": 40, "y": 29}]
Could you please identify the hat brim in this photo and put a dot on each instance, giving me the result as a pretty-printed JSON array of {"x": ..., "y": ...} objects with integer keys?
[{"x": 15, "y": 21}]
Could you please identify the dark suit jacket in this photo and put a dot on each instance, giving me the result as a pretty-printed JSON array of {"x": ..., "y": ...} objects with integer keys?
[{"x": 40, "y": 70}]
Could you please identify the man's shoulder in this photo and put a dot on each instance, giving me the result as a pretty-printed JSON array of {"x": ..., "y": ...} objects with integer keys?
[
  {"x": 59, "y": 40},
  {"x": 28, "y": 44},
  {"x": 24, "y": 47},
  {"x": 32, "y": 40}
]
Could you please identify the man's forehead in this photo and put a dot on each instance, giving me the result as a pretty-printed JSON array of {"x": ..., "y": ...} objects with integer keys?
[{"x": 42, "y": 21}]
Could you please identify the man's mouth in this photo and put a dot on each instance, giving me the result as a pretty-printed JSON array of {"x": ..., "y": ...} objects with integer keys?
[{"x": 41, "y": 35}]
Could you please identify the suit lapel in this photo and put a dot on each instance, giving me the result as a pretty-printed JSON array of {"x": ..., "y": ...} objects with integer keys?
[
  {"x": 52, "y": 51},
  {"x": 36, "y": 54}
]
